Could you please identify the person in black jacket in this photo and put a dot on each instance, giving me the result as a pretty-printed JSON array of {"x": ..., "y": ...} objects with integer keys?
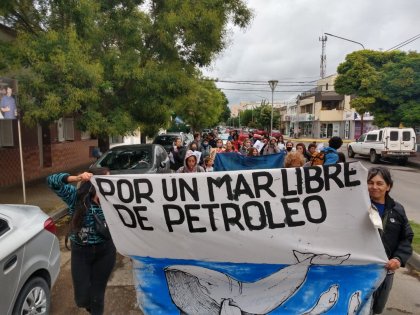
[
  {"x": 93, "y": 252},
  {"x": 177, "y": 154},
  {"x": 396, "y": 233}
]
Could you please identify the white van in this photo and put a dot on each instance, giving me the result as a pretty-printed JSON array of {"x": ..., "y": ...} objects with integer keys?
[{"x": 390, "y": 142}]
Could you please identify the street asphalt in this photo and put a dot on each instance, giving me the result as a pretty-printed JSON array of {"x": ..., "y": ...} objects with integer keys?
[{"x": 38, "y": 193}]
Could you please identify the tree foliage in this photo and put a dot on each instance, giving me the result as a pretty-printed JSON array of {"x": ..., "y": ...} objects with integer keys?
[
  {"x": 118, "y": 64},
  {"x": 383, "y": 83},
  {"x": 202, "y": 106}
]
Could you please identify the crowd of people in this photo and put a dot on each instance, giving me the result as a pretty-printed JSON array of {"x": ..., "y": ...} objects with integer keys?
[
  {"x": 93, "y": 252},
  {"x": 200, "y": 154}
]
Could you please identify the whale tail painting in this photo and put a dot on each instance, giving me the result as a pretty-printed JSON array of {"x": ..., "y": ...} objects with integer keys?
[{"x": 198, "y": 290}]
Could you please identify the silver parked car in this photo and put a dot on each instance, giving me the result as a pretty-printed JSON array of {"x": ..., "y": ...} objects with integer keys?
[{"x": 29, "y": 259}]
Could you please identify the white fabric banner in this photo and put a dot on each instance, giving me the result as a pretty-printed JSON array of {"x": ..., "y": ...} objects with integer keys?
[{"x": 216, "y": 225}]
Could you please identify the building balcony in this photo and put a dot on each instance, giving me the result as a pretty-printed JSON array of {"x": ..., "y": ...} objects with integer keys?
[
  {"x": 301, "y": 117},
  {"x": 328, "y": 96}
]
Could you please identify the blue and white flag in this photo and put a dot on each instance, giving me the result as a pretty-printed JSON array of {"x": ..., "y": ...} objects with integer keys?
[
  {"x": 278, "y": 241},
  {"x": 233, "y": 161}
]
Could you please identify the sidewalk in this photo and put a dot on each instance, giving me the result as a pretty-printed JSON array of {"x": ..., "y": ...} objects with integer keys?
[{"x": 38, "y": 194}]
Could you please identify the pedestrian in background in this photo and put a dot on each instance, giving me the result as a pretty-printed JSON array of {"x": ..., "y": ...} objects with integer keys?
[
  {"x": 396, "y": 233},
  {"x": 300, "y": 147},
  {"x": 177, "y": 154},
  {"x": 93, "y": 252},
  {"x": 294, "y": 159},
  {"x": 197, "y": 140},
  {"x": 264, "y": 140},
  {"x": 190, "y": 164},
  {"x": 253, "y": 152},
  {"x": 330, "y": 152},
  {"x": 219, "y": 146},
  {"x": 289, "y": 146},
  {"x": 208, "y": 164},
  {"x": 212, "y": 140},
  {"x": 229, "y": 147},
  {"x": 311, "y": 152},
  {"x": 245, "y": 146},
  {"x": 205, "y": 149},
  {"x": 281, "y": 144},
  {"x": 193, "y": 146},
  {"x": 271, "y": 147}
]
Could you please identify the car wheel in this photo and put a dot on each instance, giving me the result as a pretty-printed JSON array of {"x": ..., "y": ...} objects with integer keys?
[
  {"x": 374, "y": 158},
  {"x": 34, "y": 298},
  {"x": 350, "y": 153},
  {"x": 403, "y": 161}
]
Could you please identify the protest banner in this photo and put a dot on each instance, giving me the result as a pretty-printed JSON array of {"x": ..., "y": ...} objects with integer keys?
[{"x": 296, "y": 241}]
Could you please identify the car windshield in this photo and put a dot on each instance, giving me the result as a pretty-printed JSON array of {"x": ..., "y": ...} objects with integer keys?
[
  {"x": 126, "y": 159},
  {"x": 165, "y": 140}
]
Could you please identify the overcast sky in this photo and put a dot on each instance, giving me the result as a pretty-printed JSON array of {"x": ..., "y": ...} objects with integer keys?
[{"x": 282, "y": 41}]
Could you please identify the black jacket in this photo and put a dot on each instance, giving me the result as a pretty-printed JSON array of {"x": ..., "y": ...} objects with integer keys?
[
  {"x": 397, "y": 234},
  {"x": 178, "y": 157}
]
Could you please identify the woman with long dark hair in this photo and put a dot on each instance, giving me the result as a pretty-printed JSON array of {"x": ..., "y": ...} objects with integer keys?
[{"x": 92, "y": 250}]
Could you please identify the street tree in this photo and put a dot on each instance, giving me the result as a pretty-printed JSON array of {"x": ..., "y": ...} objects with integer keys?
[
  {"x": 262, "y": 115},
  {"x": 203, "y": 106},
  {"x": 384, "y": 84},
  {"x": 246, "y": 117},
  {"x": 141, "y": 57},
  {"x": 224, "y": 117}
]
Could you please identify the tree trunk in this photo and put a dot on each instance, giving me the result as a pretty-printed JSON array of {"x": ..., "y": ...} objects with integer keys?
[
  {"x": 361, "y": 123},
  {"x": 103, "y": 143},
  {"x": 142, "y": 137}
]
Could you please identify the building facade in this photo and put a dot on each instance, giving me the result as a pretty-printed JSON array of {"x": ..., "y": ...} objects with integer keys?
[{"x": 323, "y": 113}]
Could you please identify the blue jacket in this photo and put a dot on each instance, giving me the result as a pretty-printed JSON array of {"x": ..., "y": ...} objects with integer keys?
[{"x": 330, "y": 156}]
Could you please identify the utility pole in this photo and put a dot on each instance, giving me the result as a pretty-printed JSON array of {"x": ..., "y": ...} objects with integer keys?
[
  {"x": 323, "y": 66},
  {"x": 273, "y": 84}
]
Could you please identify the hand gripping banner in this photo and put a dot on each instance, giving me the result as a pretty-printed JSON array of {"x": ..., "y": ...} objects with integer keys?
[{"x": 274, "y": 241}]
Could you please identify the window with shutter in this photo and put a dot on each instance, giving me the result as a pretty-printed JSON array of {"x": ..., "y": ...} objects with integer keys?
[
  {"x": 68, "y": 128},
  {"x": 6, "y": 133}
]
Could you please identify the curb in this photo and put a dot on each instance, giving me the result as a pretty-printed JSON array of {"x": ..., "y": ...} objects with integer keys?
[
  {"x": 415, "y": 164},
  {"x": 414, "y": 261},
  {"x": 59, "y": 214}
]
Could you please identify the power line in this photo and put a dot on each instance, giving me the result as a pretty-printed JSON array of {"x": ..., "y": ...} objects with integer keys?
[
  {"x": 258, "y": 82},
  {"x": 406, "y": 42},
  {"x": 302, "y": 85},
  {"x": 268, "y": 91},
  {"x": 261, "y": 82}
]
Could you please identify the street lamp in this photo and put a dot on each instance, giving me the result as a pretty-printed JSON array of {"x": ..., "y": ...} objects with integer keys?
[
  {"x": 273, "y": 84},
  {"x": 349, "y": 40}
]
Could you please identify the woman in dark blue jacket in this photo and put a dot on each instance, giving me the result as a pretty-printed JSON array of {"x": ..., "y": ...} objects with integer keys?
[
  {"x": 396, "y": 233},
  {"x": 93, "y": 253}
]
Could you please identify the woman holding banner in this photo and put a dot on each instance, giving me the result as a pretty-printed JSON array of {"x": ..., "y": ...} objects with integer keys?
[
  {"x": 92, "y": 250},
  {"x": 396, "y": 232}
]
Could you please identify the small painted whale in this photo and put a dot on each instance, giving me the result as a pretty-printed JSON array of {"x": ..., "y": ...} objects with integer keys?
[
  {"x": 325, "y": 302},
  {"x": 354, "y": 303},
  {"x": 198, "y": 290}
]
